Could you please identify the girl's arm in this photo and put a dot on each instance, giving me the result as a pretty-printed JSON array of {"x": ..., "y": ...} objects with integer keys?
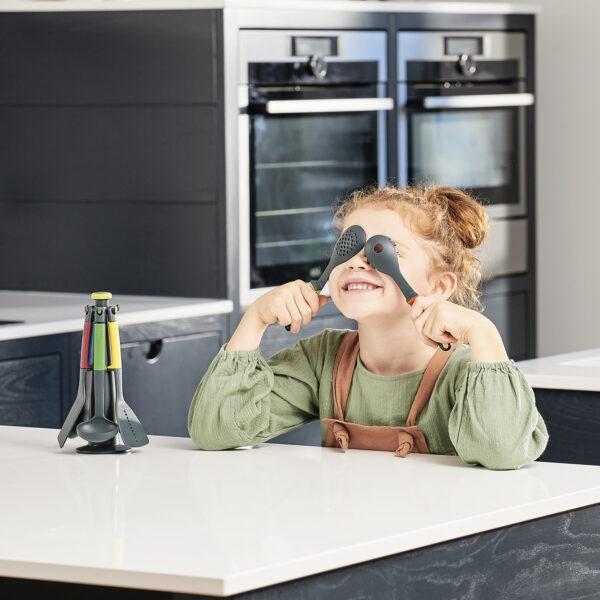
[
  {"x": 494, "y": 421},
  {"x": 245, "y": 399}
]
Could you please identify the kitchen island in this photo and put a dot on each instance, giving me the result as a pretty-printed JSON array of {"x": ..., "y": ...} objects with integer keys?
[
  {"x": 290, "y": 521},
  {"x": 567, "y": 392}
]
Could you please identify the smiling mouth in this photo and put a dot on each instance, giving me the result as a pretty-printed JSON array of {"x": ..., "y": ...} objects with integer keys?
[{"x": 358, "y": 288}]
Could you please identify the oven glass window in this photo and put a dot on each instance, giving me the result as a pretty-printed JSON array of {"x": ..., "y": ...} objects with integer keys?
[
  {"x": 473, "y": 149},
  {"x": 301, "y": 166}
]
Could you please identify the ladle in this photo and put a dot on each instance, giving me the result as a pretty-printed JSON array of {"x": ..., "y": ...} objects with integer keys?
[{"x": 98, "y": 429}]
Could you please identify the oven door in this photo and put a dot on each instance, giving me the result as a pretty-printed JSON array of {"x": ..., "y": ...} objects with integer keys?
[
  {"x": 477, "y": 142},
  {"x": 299, "y": 156}
]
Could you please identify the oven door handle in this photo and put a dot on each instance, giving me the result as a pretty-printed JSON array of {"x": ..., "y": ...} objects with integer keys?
[
  {"x": 478, "y": 101},
  {"x": 323, "y": 105}
]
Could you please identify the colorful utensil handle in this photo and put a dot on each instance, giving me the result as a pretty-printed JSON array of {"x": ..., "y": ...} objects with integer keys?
[
  {"x": 99, "y": 346},
  {"x": 114, "y": 341},
  {"x": 85, "y": 340}
]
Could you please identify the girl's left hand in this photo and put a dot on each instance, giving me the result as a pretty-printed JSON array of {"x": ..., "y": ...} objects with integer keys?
[{"x": 439, "y": 320}]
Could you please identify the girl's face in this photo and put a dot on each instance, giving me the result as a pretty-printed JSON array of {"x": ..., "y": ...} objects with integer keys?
[{"x": 383, "y": 297}]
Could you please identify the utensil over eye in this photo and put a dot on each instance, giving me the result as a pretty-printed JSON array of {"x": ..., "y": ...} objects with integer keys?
[
  {"x": 381, "y": 254},
  {"x": 349, "y": 244}
]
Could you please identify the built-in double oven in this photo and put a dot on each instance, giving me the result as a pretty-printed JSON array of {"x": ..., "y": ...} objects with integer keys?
[
  {"x": 312, "y": 128},
  {"x": 463, "y": 110}
]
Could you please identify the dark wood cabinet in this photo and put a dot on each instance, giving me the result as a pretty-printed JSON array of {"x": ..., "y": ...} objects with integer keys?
[
  {"x": 160, "y": 377},
  {"x": 33, "y": 381},
  {"x": 162, "y": 365}
]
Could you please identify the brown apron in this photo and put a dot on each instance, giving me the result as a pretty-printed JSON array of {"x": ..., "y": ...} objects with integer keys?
[{"x": 400, "y": 440}]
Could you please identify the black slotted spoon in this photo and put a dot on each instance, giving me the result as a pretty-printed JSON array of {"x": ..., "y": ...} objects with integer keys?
[
  {"x": 381, "y": 254},
  {"x": 349, "y": 244}
]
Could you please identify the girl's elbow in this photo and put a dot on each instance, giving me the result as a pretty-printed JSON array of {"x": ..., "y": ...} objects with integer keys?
[{"x": 502, "y": 455}]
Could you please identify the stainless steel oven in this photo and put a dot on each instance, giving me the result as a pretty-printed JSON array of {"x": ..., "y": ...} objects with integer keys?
[
  {"x": 312, "y": 123},
  {"x": 463, "y": 106}
]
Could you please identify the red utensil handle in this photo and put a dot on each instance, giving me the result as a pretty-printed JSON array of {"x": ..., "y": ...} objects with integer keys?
[{"x": 85, "y": 345}]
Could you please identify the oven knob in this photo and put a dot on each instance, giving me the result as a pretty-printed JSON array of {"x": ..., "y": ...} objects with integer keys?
[
  {"x": 317, "y": 66},
  {"x": 467, "y": 65}
]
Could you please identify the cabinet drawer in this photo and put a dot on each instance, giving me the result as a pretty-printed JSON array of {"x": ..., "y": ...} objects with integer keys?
[
  {"x": 160, "y": 377},
  {"x": 108, "y": 57},
  {"x": 30, "y": 391}
]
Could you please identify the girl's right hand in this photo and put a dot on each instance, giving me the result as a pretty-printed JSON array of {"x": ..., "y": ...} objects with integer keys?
[{"x": 294, "y": 303}]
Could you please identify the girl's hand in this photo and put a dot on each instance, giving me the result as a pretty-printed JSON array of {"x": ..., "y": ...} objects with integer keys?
[
  {"x": 438, "y": 320},
  {"x": 294, "y": 303},
  {"x": 442, "y": 321}
]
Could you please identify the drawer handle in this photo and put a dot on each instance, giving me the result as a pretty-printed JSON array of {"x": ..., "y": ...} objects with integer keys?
[{"x": 154, "y": 352}]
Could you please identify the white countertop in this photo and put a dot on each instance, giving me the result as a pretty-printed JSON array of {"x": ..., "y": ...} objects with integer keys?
[
  {"x": 168, "y": 517},
  {"x": 570, "y": 371},
  {"x": 46, "y": 313},
  {"x": 309, "y": 5}
]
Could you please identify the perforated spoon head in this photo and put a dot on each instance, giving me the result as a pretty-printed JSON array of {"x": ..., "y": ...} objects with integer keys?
[{"x": 349, "y": 244}]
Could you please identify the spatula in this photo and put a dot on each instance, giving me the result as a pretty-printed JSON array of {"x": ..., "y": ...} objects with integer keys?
[
  {"x": 76, "y": 414},
  {"x": 130, "y": 428},
  {"x": 381, "y": 254},
  {"x": 350, "y": 243}
]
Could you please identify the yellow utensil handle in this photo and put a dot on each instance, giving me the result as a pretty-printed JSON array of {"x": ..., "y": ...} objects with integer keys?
[{"x": 115, "y": 345}]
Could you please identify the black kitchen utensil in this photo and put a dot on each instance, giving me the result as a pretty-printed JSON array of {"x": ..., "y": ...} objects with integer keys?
[
  {"x": 350, "y": 243},
  {"x": 98, "y": 429},
  {"x": 79, "y": 411},
  {"x": 381, "y": 254},
  {"x": 130, "y": 428},
  {"x": 100, "y": 378}
]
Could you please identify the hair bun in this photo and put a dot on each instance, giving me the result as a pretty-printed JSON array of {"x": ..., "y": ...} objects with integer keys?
[{"x": 466, "y": 216}]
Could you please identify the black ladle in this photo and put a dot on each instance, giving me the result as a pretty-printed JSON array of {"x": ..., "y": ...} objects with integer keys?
[
  {"x": 349, "y": 244},
  {"x": 98, "y": 429},
  {"x": 381, "y": 254}
]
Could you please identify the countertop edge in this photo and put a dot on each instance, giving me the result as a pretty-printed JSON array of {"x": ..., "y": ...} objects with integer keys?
[
  {"x": 447, "y": 532},
  {"x": 321, "y": 563},
  {"x": 30, "y": 6},
  {"x": 30, "y": 330}
]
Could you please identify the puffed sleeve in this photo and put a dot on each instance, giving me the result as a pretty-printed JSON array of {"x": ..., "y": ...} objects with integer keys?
[
  {"x": 494, "y": 421},
  {"x": 243, "y": 398}
]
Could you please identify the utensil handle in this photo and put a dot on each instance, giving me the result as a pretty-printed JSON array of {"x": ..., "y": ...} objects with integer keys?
[
  {"x": 115, "y": 345},
  {"x": 85, "y": 345},
  {"x": 99, "y": 367}
]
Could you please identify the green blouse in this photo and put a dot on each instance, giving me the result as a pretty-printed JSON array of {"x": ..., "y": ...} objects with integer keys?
[{"x": 484, "y": 412}]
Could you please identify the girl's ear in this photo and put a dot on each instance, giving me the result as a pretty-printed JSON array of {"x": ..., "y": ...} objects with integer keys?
[{"x": 444, "y": 285}]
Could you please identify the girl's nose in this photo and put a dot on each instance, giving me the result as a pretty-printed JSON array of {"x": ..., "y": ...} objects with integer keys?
[{"x": 359, "y": 261}]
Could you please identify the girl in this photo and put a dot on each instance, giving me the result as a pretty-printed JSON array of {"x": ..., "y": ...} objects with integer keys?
[{"x": 481, "y": 407}]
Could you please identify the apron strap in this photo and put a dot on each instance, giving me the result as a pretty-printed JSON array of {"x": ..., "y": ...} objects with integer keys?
[
  {"x": 430, "y": 376},
  {"x": 345, "y": 363},
  {"x": 343, "y": 369}
]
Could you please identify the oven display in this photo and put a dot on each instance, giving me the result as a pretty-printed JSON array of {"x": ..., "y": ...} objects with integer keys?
[
  {"x": 307, "y": 46},
  {"x": 463, "y": 45}
]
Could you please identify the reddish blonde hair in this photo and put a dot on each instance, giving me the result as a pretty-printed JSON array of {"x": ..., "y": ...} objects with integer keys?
[{"x": 454, "y": 223}]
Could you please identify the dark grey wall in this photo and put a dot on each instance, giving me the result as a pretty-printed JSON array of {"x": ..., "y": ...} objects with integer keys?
[{"x": 111, "y": 162}]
